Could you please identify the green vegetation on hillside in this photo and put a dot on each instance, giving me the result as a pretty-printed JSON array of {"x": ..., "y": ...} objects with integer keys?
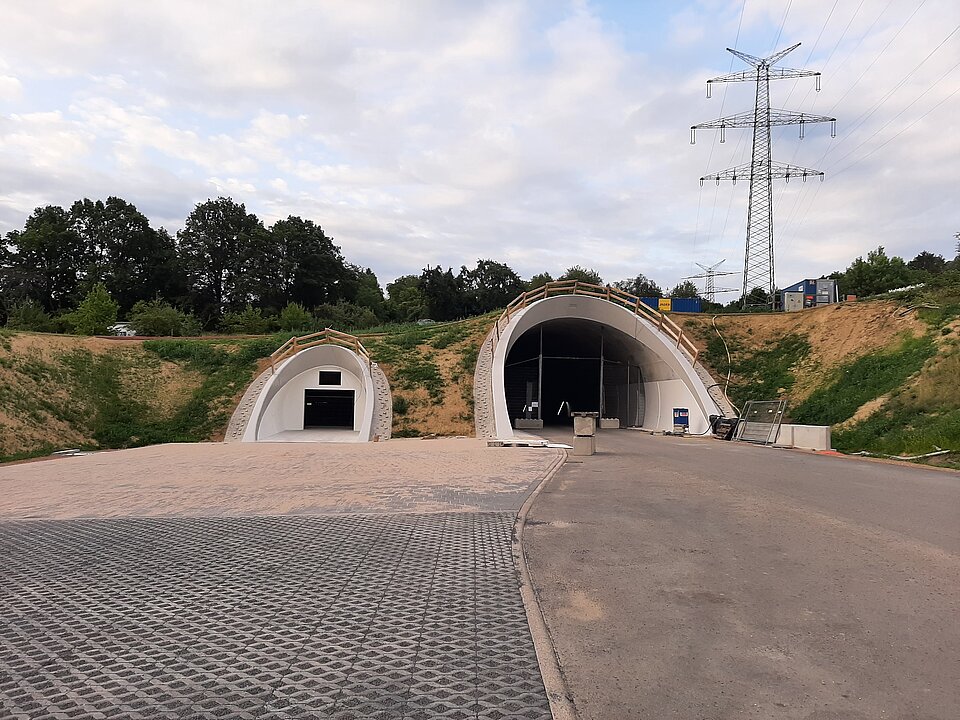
[
  {"x": 106, "y": 396},
  {"x": 762, "y": 375},
  {"x": 862, "y": 380}
]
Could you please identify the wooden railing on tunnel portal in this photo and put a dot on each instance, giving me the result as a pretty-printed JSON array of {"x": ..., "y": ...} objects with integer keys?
[
  {"x": 324, "y": 337},
  {"x": 604, "y": 292}
]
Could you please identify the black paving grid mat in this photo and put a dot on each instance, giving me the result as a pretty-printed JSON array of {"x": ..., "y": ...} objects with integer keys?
[{"x": 361, "y": 616}]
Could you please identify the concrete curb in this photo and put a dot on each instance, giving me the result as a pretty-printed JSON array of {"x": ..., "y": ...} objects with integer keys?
[{"x": 554, "y": 682}]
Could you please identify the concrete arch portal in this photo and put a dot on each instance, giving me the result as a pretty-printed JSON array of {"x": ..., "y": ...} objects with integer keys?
[
  {"x": 324, "y": 393},
  {"x": 581, "y": 353}
]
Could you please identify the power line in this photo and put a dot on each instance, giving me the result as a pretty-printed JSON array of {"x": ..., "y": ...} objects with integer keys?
[
  {"x": 898, "y": 134},
  {"x": 799, "y": 201},
  {"x": 758, "y": 264},
  {"x": 713, "y": 145},
  {"x": 783, "y": 22}
]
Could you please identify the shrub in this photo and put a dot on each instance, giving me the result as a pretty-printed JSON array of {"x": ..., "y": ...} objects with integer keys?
[
  {"x": 249, "y": 322},
  {"x": 295, "y": 317},
  {"x": 156, "y": 317},
  {"x": 29, "y": 315},
  {"x": 400, "y": 405},
  {"x": 95, "y": 314},
  {"x": 344, "y": 316}
]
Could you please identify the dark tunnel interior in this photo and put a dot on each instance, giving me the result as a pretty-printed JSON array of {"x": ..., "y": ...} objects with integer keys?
[{"x": 573, "y": 379}]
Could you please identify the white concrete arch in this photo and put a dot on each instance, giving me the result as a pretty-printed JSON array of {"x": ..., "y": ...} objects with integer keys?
[
  {"x": 281, "y": 407},
  {"x": 669, "y": 379}
]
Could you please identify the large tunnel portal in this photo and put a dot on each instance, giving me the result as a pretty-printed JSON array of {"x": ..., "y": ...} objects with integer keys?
[
  {"x": 574, "y": 365},
  {"x": 574, "y": 353}
]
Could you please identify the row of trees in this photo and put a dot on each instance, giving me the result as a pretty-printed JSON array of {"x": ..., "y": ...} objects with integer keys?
[
  {"x": 81, "y": 268},
  {"x": 878, "y": 273},
  {"x": 223, "y": 260}
]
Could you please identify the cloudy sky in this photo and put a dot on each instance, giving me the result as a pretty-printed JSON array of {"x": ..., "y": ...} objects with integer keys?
[{"x": 540, "y": 133}]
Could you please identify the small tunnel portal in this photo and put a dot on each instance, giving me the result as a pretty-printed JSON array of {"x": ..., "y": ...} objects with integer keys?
[{"x": 574, "y": 365}]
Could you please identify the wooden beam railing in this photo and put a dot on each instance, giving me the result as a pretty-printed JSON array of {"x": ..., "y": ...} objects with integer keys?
[
  {"x": 604, "y": 292},
  {"x": 324, "y": 337}
]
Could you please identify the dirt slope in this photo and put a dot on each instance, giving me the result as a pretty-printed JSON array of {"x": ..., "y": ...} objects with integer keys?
[{"x": 836, "y": 334}]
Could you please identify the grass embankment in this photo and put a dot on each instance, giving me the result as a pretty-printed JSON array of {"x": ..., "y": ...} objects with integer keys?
[
  {"x": 430, "y": 370},
  {"x": 883, "y": 374},
  {"x": 60, "y": 392}
]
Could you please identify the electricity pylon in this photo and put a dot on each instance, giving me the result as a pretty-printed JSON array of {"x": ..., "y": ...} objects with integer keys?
[
  {"x": 709, "y": 283},
  {"x": 758, "y": 266}
]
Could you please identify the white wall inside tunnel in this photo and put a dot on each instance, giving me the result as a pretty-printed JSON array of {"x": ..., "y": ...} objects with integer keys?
[
  {"x": 669, "y": 379},
  {"x": 279, "y": 407}
]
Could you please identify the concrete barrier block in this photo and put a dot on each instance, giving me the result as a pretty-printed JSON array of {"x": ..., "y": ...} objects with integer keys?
[
  {"x": 608, "y": 423},
  {"x": 527, "y": 424},
  {"x": 584, "y": 445},
  {"x": 812, "y": 437},
  {"x": 806, "y": 437},
  {"x": 584, "y": 426}
]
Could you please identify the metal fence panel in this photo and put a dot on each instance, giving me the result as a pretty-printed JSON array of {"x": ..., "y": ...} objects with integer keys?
[{"x": 761, "y": 421}]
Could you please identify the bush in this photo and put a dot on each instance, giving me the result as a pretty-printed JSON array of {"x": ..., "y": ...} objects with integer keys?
[
  {"x": 29, "y": 315},
  {"x": 344, "y": 316},
  {"x": 295, "y": 317},
  {"x": 157, "y": 318},
  {"x": 249, "y": 322},
  {"x": 95, "y": 314},
  {"x": 190, "y": 325}
]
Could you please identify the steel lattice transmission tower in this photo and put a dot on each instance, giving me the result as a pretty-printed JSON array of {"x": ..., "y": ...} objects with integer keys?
[
  {"x": 708, "y": 276},
  {"x": 758, "y": 266}
]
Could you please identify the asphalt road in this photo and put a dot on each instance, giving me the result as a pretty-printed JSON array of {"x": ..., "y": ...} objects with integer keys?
[{"x": 696, "y": 579}]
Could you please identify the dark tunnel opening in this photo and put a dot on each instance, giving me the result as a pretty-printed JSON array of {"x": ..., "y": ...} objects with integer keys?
[{"x": 573, "y": 365}]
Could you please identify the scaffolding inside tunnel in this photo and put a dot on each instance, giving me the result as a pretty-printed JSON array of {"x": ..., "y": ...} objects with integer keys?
[{"x": 572, "y": 365}]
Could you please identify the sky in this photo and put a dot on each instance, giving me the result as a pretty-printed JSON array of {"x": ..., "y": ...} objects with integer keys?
[{"x": 539, "y": 133}]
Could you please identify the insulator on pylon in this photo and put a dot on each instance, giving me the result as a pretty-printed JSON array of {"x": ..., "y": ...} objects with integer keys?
[
  {"x": 709, "y": 88},
  {"x": 818, "y": 81},
  {"x": 801, "y": 129},
  {"x": 723, "y": 134},
  {"x": 693, "y": 136},
  {"x": 833, "y": 128},
  {"x": 701, "y": 182}
]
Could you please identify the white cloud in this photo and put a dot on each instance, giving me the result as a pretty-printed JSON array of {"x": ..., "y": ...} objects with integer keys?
[{"x": 440, "y": 132}]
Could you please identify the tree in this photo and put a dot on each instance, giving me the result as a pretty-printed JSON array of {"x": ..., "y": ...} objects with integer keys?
[
  {"x": 928, "y": 262},
  {"x": 310, "y": 268},
  {"x": 685, "y": 289},
  {"x": 222, "y": 249},
  {"x": 95, "y": 314},
  {"x": 583, "y": 275},
  {"x": 490, "y": 285},
  {"x": 405, "y": 302},
  {"x": 46, "y": 259},
  {"x": 368, "y": 293},
  {"x": 134, "y": 261},
  {"x": 443, "y": 294},
  {"x": 538, "y": 280},
  {"x": 877, "y": 274},
  {"x": 641, "y": 286}
]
